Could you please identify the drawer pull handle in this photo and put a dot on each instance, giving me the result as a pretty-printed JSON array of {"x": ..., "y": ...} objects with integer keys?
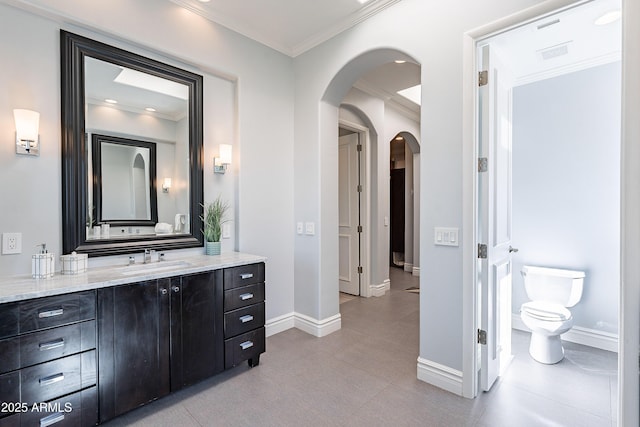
[
  {"x": 52, "y": 379},
  {"x": 246, "y": 318},
  {"x": 44, "y": 346},
  {"x": 175, "y": 288},
  {"x": 247, "y": 344},
  {"x": 51, "y": 313},
  {"x": 51, "y": 419},
  {"x": 246, "y": 296},
  {"x": 246, "y": 276},
  {"x": 163, "y": 291}
]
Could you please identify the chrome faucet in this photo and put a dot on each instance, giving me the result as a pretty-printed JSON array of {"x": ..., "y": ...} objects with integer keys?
[{"x": 148, "y": 253}]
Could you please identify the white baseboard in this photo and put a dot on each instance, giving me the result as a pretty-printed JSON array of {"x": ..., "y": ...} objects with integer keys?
[
  {"x": 440, "y": 376},
  {"x": 379, "y": 290},
  {"x": 315, "y": 327},
  {"x": 416, "y": 271},
  {"x": 280, "y": 324},
  {"x": 408, "y": 267},
  {"x": 579, "y": 335}
]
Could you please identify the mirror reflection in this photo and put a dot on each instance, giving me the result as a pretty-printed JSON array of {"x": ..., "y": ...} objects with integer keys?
[{"x": 127, "y": 168}]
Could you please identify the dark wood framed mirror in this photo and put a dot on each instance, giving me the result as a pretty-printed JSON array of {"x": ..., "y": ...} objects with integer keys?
[{"x": 110, "y": 91}]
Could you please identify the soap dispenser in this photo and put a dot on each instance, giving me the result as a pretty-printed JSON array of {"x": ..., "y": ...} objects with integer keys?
[{"x": 42, "y": 264}]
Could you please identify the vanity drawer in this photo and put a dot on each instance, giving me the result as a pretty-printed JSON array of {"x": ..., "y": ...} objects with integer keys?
[
  {"x": 10, "y": 388},
  {"x": 9, "y": 315},
  {"x": 243, "y": 275},
  {"x": 76, "y": 410},
  {"x": 244, "y": 347},
  {"x": 54, "y": 343},
  {"x": 244, "y": 296},
  {"x": 42, "y": 313},
  {"x": 243, "y": 319},
  {"x": 59, "y": 377}
]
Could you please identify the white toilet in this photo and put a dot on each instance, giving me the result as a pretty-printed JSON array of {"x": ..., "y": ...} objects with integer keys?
[{"x": 550, "y": 290}]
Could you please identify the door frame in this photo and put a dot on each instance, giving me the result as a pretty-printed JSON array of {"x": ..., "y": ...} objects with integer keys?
[
  {"x": 629, "y": 318},
  {"x": 365, "y": 207}
]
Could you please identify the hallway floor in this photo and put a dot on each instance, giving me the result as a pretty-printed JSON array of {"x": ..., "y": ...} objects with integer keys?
[{"x": 365, "y": 375}]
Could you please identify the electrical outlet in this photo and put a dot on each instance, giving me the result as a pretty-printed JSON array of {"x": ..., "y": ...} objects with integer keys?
[{"x": 11, "y": 243}]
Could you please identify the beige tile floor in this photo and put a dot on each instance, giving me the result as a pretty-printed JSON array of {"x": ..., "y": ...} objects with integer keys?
[{"x": 365, "y": 375}]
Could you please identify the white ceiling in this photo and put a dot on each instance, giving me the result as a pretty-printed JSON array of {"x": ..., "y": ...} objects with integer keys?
[
  {"x": 293, "y": 26},
  {"x": 289, "y": 26}
]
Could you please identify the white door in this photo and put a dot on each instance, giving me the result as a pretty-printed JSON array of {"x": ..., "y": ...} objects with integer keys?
[
  {"x": 349, "y": 214},
  {"x": 494, "y": 217}
]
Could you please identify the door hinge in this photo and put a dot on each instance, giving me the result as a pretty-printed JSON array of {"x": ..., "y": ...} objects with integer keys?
[
  {"x": 359, "y": 229},
  {"x": 482, "y": 337},
  {"x": 483, "y": 78},
  {"x": 359, "y": 147},
  {"x": 483, "y": 164},
  {"x": 359, "y": 188},
  {"x": 359, "y": 269},
  {"x": 482, "y": 251}
]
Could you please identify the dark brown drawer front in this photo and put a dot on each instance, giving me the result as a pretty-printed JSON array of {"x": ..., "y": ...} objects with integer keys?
[
  {"x": 243, "y": 320},
  {"x": 243, "y": 347},
  {"x": 9, "y": 315},
  {"x": 244, "y": 296},
  {"x": 58, "y": 310},
  {"x": 76, "y": 410},
  {"x": 243, "y": 275},
  {"x": 10, "y": 388},
  {"x": 54, "y": 343},
  {"x": 9, "y": 354},
  {"x": 11, "y": 421},
  {"x": 59, "y": 377}
]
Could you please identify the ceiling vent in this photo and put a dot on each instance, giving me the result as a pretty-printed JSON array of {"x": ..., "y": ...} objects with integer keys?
[{"x": 554, "y": 51}]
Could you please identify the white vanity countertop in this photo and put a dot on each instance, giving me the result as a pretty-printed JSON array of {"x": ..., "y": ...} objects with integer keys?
[{"x": 17, "y": 288}]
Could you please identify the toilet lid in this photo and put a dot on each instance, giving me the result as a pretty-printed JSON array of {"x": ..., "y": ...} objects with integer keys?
[{"x": 546, "y": 310}]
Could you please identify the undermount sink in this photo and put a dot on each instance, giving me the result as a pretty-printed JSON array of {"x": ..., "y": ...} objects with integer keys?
[{"x": 154, "y": 267}]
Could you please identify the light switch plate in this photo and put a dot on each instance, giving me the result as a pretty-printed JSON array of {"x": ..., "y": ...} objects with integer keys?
[
  {"x": 446, "y": 236},
  {"x": 299, "y": 228},
  {"x": 226, "y": 231},
  {"x": 310, "y": 228},
  {"x": 11, "y": 243}
]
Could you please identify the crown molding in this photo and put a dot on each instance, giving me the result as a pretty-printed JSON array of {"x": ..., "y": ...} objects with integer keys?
[{"x": 244, "y": 29}]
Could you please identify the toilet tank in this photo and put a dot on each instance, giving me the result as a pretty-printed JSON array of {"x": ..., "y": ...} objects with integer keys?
[{"x": 553, "y": 285}]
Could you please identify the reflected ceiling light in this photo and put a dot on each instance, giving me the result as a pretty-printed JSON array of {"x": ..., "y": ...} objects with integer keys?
[
  {"x": 146, "y": 81},
  {"x": 110, "y": 101},
  {"x": 412, "y": 94},
  {"x": 399, "y": 61},
  {"x": 609, "y": 17},
  {"x": 150, "y": 109}
]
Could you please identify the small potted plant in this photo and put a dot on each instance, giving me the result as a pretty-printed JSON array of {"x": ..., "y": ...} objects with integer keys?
[{"x": 214, "y": 217}]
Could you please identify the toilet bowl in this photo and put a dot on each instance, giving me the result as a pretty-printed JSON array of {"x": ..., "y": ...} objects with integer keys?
[{"x": 551, "y": 291}]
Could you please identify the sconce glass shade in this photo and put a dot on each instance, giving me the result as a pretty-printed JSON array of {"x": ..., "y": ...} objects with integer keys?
[
  {"x": 166, "y": 185},
  {"x": 220, "y": 163},
  {"x": 225, "y": 154},
  {"x": 27, "y": 123}
]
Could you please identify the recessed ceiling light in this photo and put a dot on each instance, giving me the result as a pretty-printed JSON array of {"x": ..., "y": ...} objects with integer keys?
[
  {"x": 363, "y": 1},
  {"x": 399, "y": 138},
  {"x": 609, "y": 17},
  {"x": 150, "y": 109},
  {"x": 204, "y": 1},
  {"x": 399, "y": 61},
  {"x": 110, "y": 101}
]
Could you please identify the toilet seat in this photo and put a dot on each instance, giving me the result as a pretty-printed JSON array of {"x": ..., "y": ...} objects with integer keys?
[{"x": 547, "y": 311}]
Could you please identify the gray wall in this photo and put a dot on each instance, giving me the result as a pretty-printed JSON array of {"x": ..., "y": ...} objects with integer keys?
[{"x": 566, "y": 189}]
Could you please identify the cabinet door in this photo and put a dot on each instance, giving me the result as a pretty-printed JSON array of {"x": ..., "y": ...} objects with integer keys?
[
  {"x": 134, "y": 345},
  {"x": 197, "y": 346}
]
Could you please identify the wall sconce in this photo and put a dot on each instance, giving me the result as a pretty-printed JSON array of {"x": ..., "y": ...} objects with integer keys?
[
  {"x": 166, "y": 185},
  {"x": 27, "y": 138},
  {"x": 220, "y": 163}
]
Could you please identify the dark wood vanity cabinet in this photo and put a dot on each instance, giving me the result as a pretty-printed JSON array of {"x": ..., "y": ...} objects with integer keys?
[
  {"x": 156, "y": 337},
  {"x": 48, "y": 365}
]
